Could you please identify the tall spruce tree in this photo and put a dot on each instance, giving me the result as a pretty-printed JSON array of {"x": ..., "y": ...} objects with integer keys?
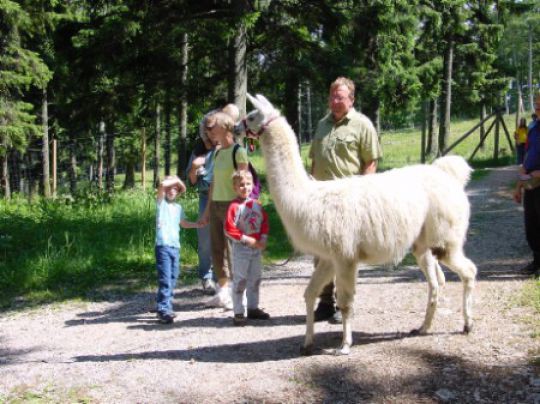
[{"x": 20, "y": 69}]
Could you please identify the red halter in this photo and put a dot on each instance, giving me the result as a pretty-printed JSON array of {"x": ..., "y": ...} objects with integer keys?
[{"x": 261, "y": 130}]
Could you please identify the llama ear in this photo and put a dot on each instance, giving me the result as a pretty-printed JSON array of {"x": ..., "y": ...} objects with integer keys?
[
  {"x": 255, "y": 102},
  {"x": 264, "y": 101}
]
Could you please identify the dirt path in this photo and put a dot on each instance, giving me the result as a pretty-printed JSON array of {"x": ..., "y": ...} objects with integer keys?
[{"x": 115, "y": 351}]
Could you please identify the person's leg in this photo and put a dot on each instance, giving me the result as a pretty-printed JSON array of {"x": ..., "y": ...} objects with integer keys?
[
  {"x": 327, "y": 295},
  {"x": 174, "y": 255},
  {"x": 240, "y": 267},
  {"x": 163, "y": 265},
  {"x": 204, "y": 251},
  {"x": 254, "y": 312},
  {"x": 531, "y": 206},
  {"x": 520, "y": 151},
  {"x": 218, "y": 243},
  {"x": 326, "y": 307},
  {"x": 254, "y": 280}
]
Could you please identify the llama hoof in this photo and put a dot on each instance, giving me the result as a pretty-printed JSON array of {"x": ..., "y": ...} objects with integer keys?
[
  {"x": 417, "y": 331},
  {"x": 467, "y": 329},
  {"x": 306, "y": 350},
  {"x": 344, "y": 350}
]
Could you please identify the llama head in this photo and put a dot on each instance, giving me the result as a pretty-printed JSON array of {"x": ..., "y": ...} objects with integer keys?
[{"x": 257, "y": 120}]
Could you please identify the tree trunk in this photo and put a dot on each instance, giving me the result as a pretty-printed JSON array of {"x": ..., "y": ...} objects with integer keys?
[
  {"x": 238, "y": 63},
  {"x": 72, "y": 167},
  {"x": 530, "y": 81},
  {"x": 299, "y": 112},
  {"x": 433, "y": 135},
  {"x": 32, "y": 175},
  {"x": 4, "y": 168},
  {"x": 4, "y": 173},
  {"x": 519, "y": 102},
  {"x": 167, "y": 144},
  {"x": 129, "y": 179},
  {"x": 54, "y": 167},
  {"x": 157, "y": 145},
  {"x": 309, "y": 118},
  {"x": 444, "y": 132},
  {"x": 101, "y": 146},
  {"x": 45, "y": 181},
  {"x": 291, "y": 103},
  {"x": 143, "y": 157},
  {"x": 182, "y": 110},
  {"x": 423, "y": 130},
  {"x": 111, "y": 159},
  {"x": 15, "y": 172},
  {"x": 377, "y": 121}
]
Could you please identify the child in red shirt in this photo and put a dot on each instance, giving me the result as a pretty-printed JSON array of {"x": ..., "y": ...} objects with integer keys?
[{"x": 247, "y": 226}]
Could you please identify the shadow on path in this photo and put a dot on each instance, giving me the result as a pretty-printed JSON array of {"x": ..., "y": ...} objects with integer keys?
[{"x": 249, "y": 352}]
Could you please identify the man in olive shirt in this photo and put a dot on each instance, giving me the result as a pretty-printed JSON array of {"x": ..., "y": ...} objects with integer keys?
[{"x": 345, "y": 144}]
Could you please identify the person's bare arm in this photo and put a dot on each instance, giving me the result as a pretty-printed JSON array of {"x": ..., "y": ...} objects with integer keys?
[
  {"x": 370, "y": 167},
  {"x": 164, "y": 184},
  {"x": 205, "y": 218},
  {"x": 242, "y": 166},
  {"x": 197, "y": 163},
  {"x": 186, "y": 224}
]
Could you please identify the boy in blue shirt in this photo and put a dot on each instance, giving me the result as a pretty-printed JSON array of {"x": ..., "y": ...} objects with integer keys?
[{"x": 169, "y": 217}]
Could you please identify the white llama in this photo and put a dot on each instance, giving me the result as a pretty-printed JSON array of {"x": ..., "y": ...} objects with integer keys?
[{"x": 373, "y": 219}]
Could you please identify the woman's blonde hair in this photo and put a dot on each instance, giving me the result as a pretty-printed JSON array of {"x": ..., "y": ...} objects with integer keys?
[
  {"x": 229, "y": 109},
  {"x": 221, "y": 119}
]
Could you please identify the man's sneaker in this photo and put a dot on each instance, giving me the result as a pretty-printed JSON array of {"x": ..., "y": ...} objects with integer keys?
[
  {"x": 336, "y": 318},
  {"x": 324, "y": 311},
  {"x": 257, "y": 314},
  {"x": 530, "y": 269},
  {"x": 239, "y": 320},
  {"x": 165, "y": 318},
  {"x": 209, "y": 287}
]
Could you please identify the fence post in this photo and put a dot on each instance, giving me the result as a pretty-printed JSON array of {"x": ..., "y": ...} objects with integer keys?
[{"x": 496, "y": 145}]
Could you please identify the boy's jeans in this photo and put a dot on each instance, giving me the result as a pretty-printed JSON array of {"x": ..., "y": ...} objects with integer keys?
[
  {"x": 168, "y": 270},
  {"x": 204, "y": 250}
]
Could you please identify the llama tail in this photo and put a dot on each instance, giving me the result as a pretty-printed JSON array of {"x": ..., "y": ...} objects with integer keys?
[{"x": 456, "y": 166}]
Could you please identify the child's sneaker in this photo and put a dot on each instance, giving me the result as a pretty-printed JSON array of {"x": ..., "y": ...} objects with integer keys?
[
  {"x": 165, "y": 318},
  {"x": 257, "y": 314},
  {"x": 239, "y": 320}
]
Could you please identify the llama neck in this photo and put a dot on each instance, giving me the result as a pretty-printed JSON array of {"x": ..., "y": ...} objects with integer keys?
[{"x": 285, "y": 171}]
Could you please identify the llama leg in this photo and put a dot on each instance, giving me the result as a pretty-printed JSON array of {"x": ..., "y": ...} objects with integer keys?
[
  {"x": 345, "y": 291},
  {"x": 430, "y": 267},
  {"x": 321, "y": 276},
  {"x": 440, "y": 275},
  {"x": 465, "y": 268}
]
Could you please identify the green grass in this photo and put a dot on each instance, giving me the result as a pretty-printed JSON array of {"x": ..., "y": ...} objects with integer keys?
[
  {"x": 59, "y": 249},
  {"x": 531, "y": 297},
  {"x": 90, "y": 246},
  {"x": 403, "y": 147}
]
